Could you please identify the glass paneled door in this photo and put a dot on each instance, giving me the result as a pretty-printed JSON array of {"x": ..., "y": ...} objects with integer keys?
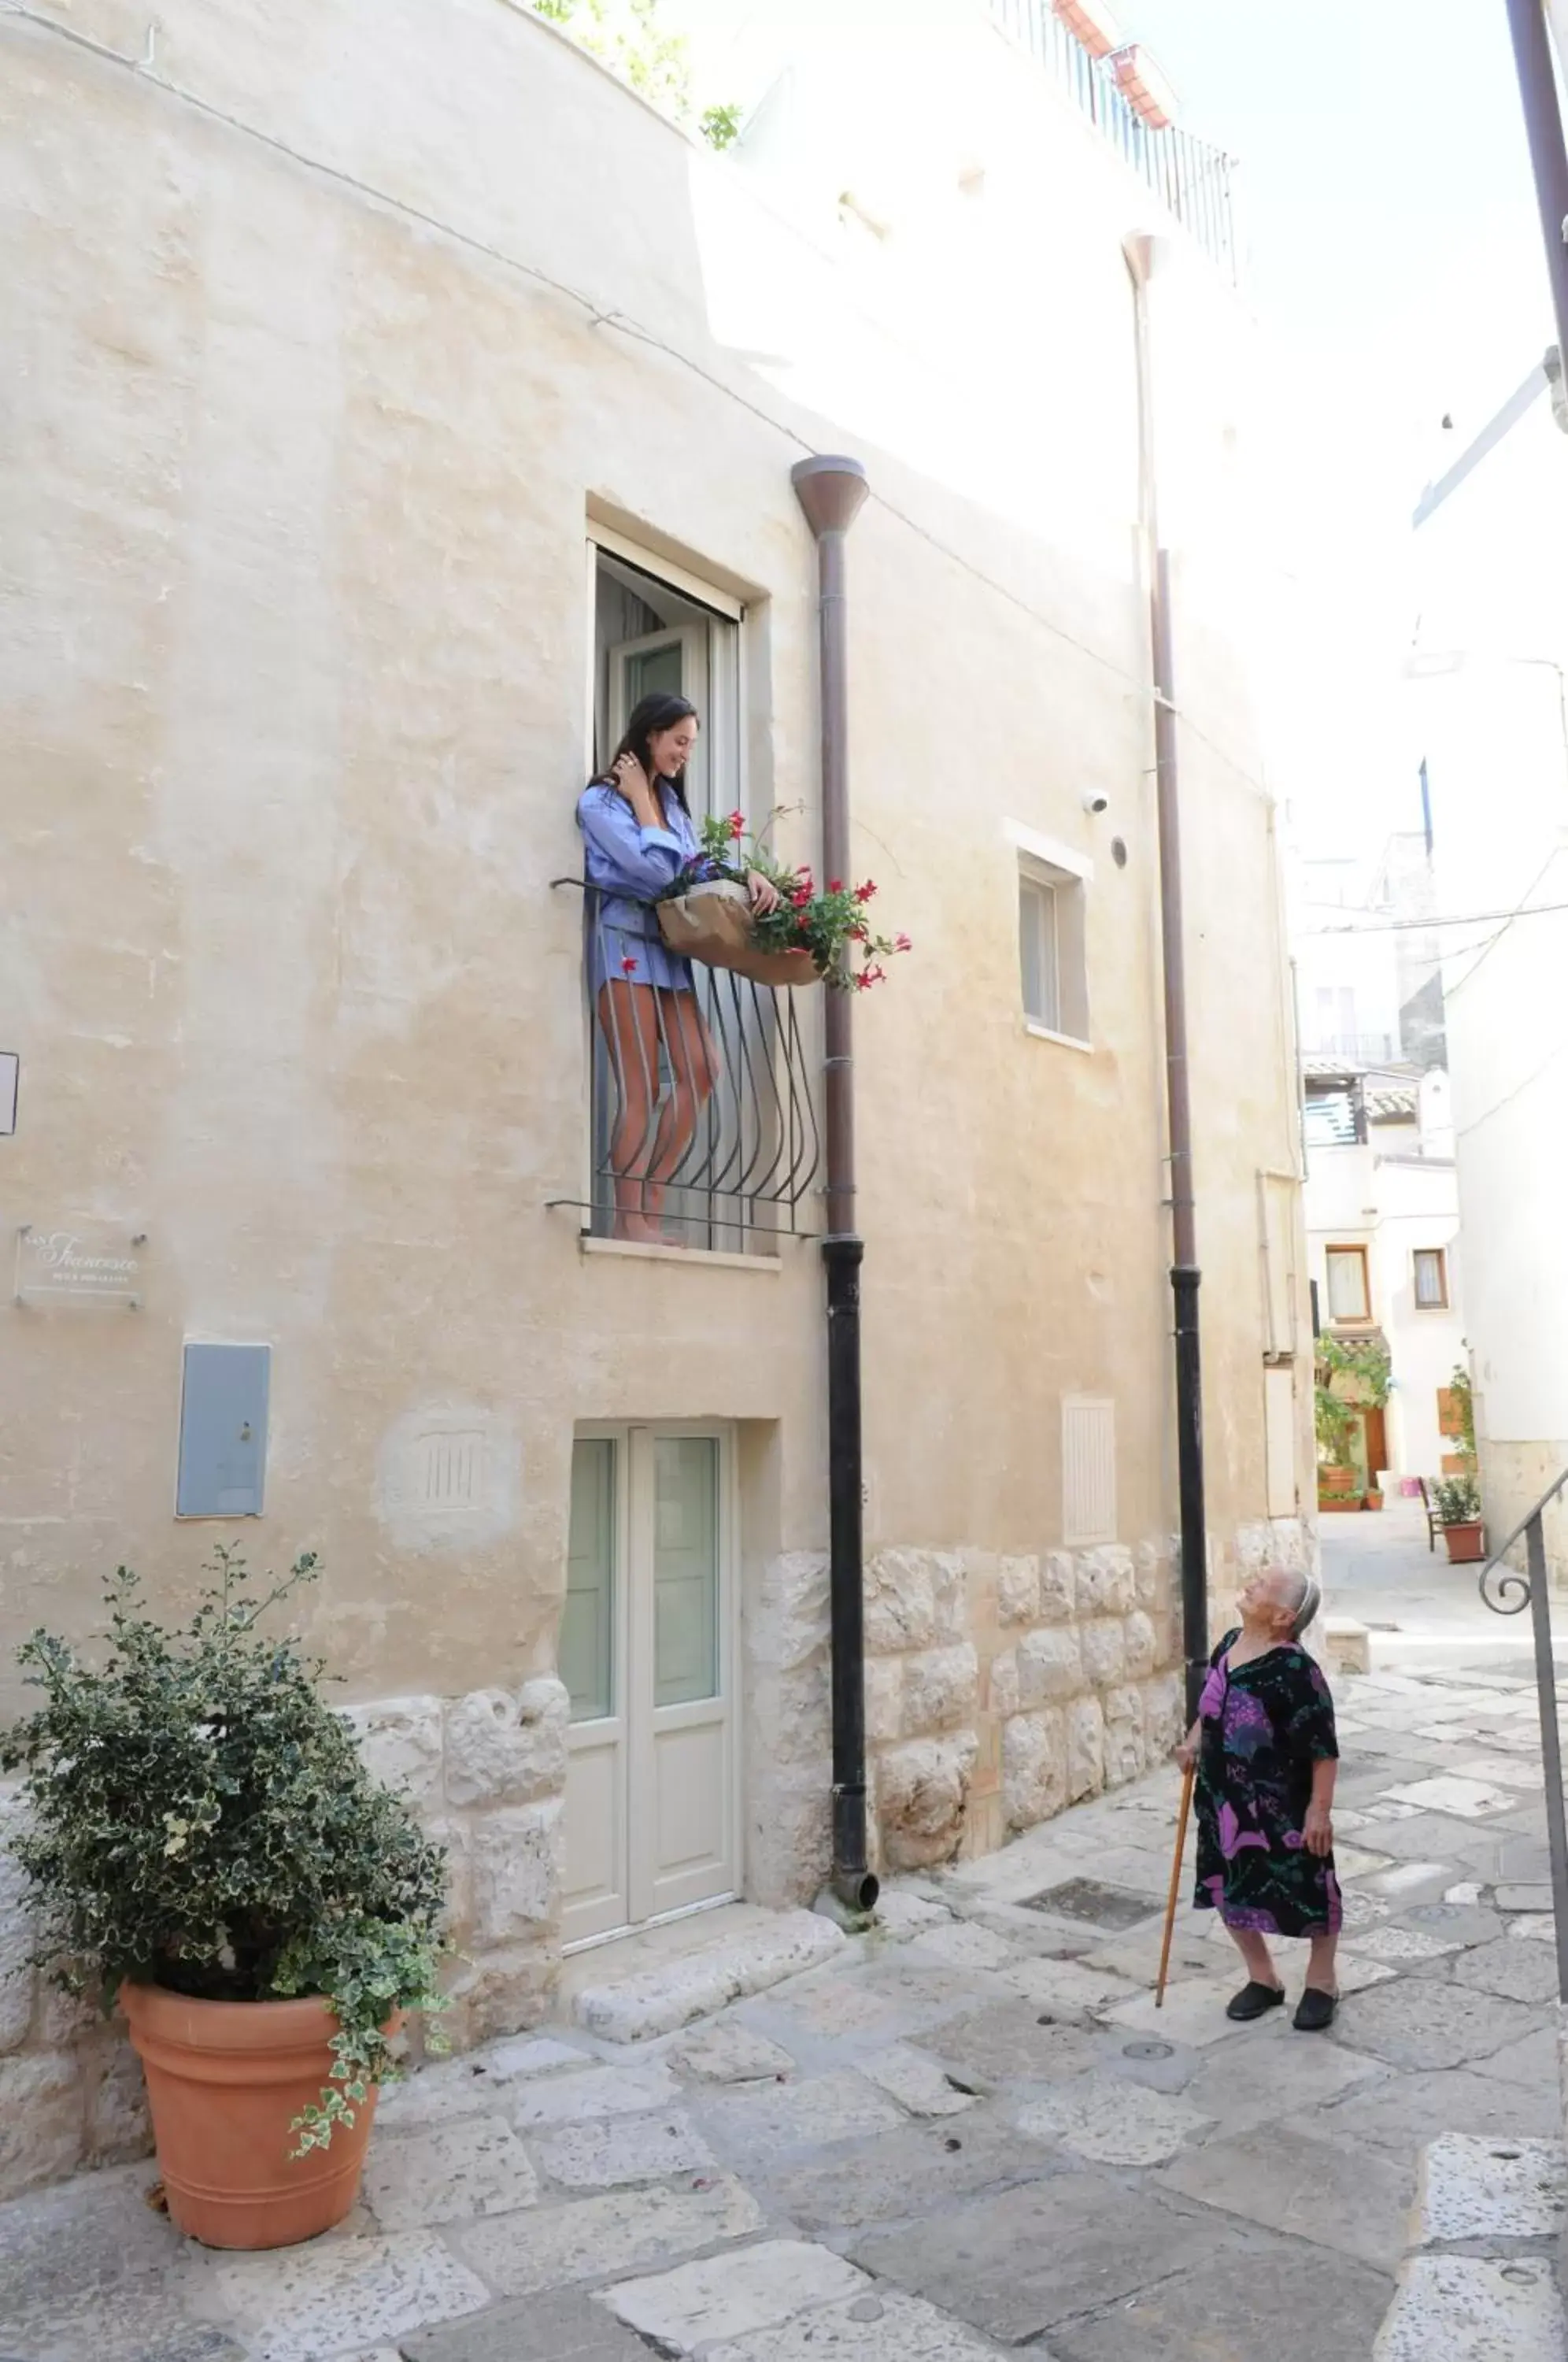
[{"x": 647, "y": 1651}]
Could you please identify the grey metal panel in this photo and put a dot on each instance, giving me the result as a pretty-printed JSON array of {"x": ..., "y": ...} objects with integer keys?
[{"x": 223, "y": 1430}]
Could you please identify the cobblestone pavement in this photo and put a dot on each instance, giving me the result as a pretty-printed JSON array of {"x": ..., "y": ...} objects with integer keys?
[{"x": 963, "y": 2134}]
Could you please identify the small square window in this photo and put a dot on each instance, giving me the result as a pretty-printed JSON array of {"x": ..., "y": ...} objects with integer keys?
[
  {"x": 1050, "y": 950},
  {"x": 1432, "y": 1279}
]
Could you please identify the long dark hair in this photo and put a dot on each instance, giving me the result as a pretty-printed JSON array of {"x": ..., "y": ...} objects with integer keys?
[{"x": 659, "y": 710}]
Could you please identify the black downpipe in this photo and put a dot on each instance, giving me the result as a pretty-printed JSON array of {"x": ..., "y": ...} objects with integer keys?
[
  {"x": 1142, "y": 254},
  {"x": 829, "y": 492}
]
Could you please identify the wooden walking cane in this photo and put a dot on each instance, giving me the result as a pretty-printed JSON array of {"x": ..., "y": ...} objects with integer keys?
[{"x": 1186, "y": 1779}]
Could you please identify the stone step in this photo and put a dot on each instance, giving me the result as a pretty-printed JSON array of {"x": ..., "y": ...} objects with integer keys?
[
  {"x": 1480, "y": 2285},
  {"x": 1347, "y": 1645},
  {"x": 642, "y": 2000}
]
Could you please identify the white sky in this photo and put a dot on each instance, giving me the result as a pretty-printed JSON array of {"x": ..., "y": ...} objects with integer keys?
[{"x": 1395, "y": 260}]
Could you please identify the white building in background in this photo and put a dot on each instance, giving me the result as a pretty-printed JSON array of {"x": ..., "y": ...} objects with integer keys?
[
  {"x": 1488, "y": 687},
  {"x": 1383, "y": 1250}
]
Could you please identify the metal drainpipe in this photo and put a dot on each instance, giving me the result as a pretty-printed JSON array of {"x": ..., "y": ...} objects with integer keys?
[
  {"x": 1548, "y": 160},
  {"x": 830, "y": 490},
  {"x": 1142, "y": 255}
]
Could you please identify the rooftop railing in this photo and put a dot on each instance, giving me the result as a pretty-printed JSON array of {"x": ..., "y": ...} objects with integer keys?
[{"x": 1191, "y": 178}]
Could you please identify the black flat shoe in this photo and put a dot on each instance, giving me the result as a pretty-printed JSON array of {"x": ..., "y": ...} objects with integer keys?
[
  {"x": 1314, "y": 2011},
  {"x": 1255, "y": 2001}
]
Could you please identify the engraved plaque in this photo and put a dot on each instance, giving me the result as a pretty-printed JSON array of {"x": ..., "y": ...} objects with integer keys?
[{"x": 79, "y": 1262}]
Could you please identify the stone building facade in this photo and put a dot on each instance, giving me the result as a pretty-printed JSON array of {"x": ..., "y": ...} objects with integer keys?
[{"x": 398, "y": 400}]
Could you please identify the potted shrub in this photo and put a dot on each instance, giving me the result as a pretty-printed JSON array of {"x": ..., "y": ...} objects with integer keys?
[
  {"x": 205, "y": 1847},
  {"x": 1459, "y": 1506},
  {"x": 1337, "y": 1480}
]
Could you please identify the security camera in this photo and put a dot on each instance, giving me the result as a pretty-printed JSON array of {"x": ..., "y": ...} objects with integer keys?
[{"x": 1096, "y": 803}]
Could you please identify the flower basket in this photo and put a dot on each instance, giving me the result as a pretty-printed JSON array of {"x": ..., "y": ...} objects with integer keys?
[{"x": 712, "y": 922}]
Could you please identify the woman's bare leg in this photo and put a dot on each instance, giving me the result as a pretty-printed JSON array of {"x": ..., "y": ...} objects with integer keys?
[
  {"x": 1320, "y": 1962},
  {"x": 694, "y": 1071},
  {"x": 1254, "y": 1951},
  {"x": 629, "y": 1021}
]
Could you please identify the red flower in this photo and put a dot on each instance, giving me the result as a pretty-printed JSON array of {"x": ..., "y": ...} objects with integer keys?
[
  {"x": 835, "y": 884},
  {"x": 861, "y": 981},
  {"x": 628, "y": 965},
  {"x": 801, "y": 897},
  {"x": 874, "y": 975},
  {"x": 859, "y": 935},
  {"x": 737, "y": 824},
  {"x": 864, "y": 893},
  {"x": 903, "y": 943}
]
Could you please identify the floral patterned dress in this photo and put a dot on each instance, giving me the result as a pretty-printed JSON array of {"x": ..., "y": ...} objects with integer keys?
[{"x": 1264, "y": 1725}]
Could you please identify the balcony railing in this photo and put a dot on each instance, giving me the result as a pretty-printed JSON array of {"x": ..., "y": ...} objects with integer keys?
[
  {"x": 705, "y": 1130},
  {"x": 1191, "y": 178}
]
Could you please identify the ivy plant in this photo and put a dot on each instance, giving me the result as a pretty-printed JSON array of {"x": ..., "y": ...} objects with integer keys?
[{"x": 200, "y": 1819}]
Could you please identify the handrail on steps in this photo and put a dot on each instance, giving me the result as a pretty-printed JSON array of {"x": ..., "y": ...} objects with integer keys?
[{"x": 1536, "y": 1595}]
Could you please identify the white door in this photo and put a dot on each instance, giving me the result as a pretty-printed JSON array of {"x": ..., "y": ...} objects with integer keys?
[{"x": 646, "y": 1651}]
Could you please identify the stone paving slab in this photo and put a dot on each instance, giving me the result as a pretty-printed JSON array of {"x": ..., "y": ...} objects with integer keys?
[
  {"x": 593, "y": 2238},
  {"x": 442, "y": 2175},
  {"x": 921, "y": 2170},
  {"x": 1280, "y": 2299},
  {"x": 1474, "y": 2309},
  {"x": 1114, "y": 2123},
  {"x": 1356, "y": 2200},
  {"x": 622, "y": 2150},
  {"x": 1012, "y": 2043},
  {"x": 1417, "y": 2024},
  {"x": 1401, "y": 2112},
  {"x": 1015, "y": 2264},
  {"x": 884, "y": 2327},
  {"x": 698, "y": 2306},
  {"x": 298, "y": 2304},
  {"x": 560, "y": 2328},
  {"x": 1492, "y": 2190}
]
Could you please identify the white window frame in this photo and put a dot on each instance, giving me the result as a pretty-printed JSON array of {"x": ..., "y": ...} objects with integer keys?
[{"x": 1047, "y": 865}]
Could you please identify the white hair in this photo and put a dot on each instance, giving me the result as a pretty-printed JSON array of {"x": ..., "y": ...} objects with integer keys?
[{"x": 1303, "y": 1597}]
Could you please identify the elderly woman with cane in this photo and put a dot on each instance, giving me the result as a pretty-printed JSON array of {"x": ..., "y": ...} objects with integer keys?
[{"x": 1266, "y": 1758}]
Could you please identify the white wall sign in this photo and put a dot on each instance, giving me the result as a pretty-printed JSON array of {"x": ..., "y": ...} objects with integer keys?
[
  {"x": 82, "y": 1262},
  {"x": 10, "y": 1080}
]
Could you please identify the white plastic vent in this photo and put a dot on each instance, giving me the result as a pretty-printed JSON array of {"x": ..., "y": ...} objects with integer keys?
[{"x": 1088, "y": 1470}]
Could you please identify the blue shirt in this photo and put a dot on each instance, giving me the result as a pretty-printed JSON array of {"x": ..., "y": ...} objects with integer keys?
[{"x": 626, "y": 867}]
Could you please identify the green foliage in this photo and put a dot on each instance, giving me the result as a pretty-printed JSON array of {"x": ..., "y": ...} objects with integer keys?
[
  {"x": 830, "y": 923},
  {"x": 1464, "y": 1393},
  {"x": 201, "y": 1819},
  {"x": 1365, "y": 1362},
  {"x": 1458, "y": 1500},
  {"x": 627, "y": 36},
  {"x": 720, "y": 126},
  {"x": 1334, "y": 1421}
]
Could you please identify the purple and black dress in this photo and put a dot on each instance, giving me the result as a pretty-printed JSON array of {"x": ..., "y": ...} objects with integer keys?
[{"x": 1264, "y": 1725}]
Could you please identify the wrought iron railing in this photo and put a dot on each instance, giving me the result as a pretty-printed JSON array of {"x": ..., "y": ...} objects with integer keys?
[
  {"x": 1192, "y": 178},
  {"x": 704, "y": 1129},
  {"x": 1508, "y": 1592}
]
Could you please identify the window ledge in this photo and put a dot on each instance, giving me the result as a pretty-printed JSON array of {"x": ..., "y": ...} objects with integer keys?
[
  {"x": 707, "y": 1258},
  {"x": 1047, "y": 1034}
]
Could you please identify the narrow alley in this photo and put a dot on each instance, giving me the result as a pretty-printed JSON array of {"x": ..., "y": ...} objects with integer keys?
[{"x": 971, "y": 2131}]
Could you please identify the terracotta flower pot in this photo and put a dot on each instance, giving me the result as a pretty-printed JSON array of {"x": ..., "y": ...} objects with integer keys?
[
  {"x": 1464, "y": 1542},
  {"x": 225, "y": 2081}
]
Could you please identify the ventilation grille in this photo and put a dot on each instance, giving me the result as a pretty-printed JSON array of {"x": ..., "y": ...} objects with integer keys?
[{"x": 1088, "y": 1470}]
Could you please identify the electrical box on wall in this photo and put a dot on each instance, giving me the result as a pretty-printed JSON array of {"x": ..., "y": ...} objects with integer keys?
[{"x": 223, "y": 1431}]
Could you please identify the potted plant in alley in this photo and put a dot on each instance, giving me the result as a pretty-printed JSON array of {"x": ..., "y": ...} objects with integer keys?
[
  {"x": 1459, "y": 1507},
  {"x": 205, "y": 1845},
  {"x": 1337, "y": 1482},
  {"x": 1353, "y": 1376},
  {"x": 816, "y": 933}
]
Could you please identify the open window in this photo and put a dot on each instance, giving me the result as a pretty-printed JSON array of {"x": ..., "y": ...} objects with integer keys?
[{"x": 703, "y": 1130}]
